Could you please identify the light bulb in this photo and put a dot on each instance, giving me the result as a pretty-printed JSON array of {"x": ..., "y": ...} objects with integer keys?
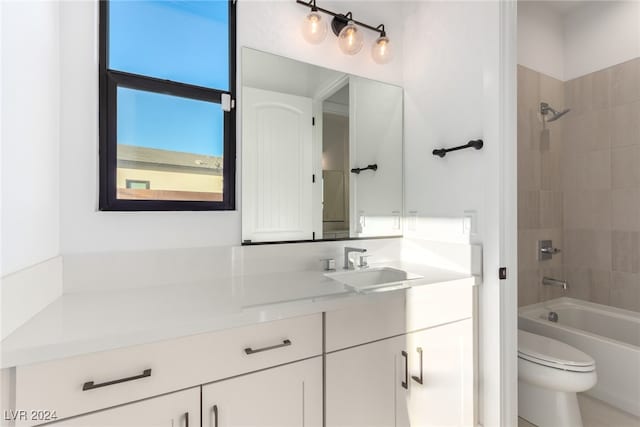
[
  {"x": 350, "y": 39},
  {"x": 314, "y": 28},
  {"x": 381, "y": 50}
]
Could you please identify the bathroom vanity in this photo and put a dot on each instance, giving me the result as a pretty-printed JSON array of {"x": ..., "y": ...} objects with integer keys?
[{"x": 400, "y": 357}]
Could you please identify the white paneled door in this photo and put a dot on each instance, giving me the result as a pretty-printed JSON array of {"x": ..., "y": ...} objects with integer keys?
[{"x": 277, "y": 168}]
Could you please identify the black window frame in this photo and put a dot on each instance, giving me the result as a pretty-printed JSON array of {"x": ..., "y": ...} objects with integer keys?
[{"x": 110, "y": 80}]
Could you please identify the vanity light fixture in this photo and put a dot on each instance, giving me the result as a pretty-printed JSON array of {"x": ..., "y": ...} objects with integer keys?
[
  {"x": 314, "y": 28},
  {"x": 348, "y": 31}
]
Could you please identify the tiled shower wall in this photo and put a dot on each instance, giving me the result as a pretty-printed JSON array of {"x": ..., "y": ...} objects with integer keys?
[
  {"x": 579, "y": 184},
  {"x": 539, "y": 184}
]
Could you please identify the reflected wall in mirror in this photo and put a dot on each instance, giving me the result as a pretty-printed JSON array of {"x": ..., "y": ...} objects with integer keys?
[{"x": 321, "y": 153}]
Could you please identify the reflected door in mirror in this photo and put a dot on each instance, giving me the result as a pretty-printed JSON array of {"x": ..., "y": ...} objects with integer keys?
[{"x": 277, "y": 174}]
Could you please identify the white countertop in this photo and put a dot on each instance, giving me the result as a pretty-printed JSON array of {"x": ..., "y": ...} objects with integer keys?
[{"x": 85, "y": 322}]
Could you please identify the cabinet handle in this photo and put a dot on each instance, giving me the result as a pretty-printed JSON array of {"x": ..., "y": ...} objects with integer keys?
[
  {"x": 186, "y": 419},
  {"x": 215, "y": 415},
  {"x": 285, "y": 343},
  {"x": 89, "y": 385},
  {"x": 405, "y": 383},
  {"x": 419, "y": 379}
]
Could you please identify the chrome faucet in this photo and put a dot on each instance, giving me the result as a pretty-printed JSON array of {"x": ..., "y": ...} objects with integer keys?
[
  {"x": 348, "y": 263},
  {"x": 549, "y": 281}
]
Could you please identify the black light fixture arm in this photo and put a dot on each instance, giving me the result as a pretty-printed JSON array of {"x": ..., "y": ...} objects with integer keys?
[{"x": 342, "y": 17}]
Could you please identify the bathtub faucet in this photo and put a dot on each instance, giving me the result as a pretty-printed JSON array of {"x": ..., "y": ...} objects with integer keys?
[{"x": 549, "y": 281}]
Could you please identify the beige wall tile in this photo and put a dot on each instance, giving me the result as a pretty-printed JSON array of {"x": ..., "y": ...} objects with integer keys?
[
  {"x": 528, "y": 87},
  {"x": 550, "y": 209},
  {"x": 600, "y": 286},
  {"x": 600, "y": 121},
  {"x": 625, "y": 211},
  {"x": 529, "y": 170},
  {"x": 552, "y": 91},
  {"x": 579, "y": 282},
  {"x": 625, "y": 167},
  {"x": 600, "y": 209},
  {"x": 625, "y": 82},
  {"x": 625, "y": 291},
  {"x": 601, "y": 89},
  {"x": 600, "y": 250},
  {"x": 578, "y": 94},
  {"x": 599, "y": 170},
  {"x": 625, "y": 251},
  {"x": 527, "y": 249},
  {"x": 551, "y": 170},
  {"x": 582, "y": 174},
  {"x": 528, "y": 209},
  {"x": 528, "y": 287},
  {"x": 625, "y": 124},
  {"x": 574, "y": 171},
  {"x": 579, "y": 134},
  {"x": 576, "y": 209},
  {"x": 578, "y": 248}
]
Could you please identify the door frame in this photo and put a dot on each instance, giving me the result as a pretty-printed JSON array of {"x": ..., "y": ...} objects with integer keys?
[{"x": 508, "y": 179}]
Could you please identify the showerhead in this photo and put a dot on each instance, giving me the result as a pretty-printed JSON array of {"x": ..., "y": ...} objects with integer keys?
[{"x": 546, "y": 109}]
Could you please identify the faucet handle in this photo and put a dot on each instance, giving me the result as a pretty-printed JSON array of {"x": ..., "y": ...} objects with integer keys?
[
  {"x": 363, "y": 261},
  {"x": 329, "y": 264}
]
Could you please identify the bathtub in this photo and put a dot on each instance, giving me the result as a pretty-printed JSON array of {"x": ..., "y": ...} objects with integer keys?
[{"x": 610, "y": 335}]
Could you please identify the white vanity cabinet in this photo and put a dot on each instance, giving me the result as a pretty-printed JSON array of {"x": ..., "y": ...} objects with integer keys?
[
  {"x": 414, "y": 368},
  {"x": 361, "y": 384},
  {"x": 180, "y": 409},
  {"x": 440, "y": 391},
  {"x": 285, "y": 396},
  {"x": 385, "y": 384}
]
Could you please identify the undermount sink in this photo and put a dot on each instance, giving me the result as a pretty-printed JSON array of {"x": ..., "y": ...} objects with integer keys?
[{"x": 372, "y": 277}]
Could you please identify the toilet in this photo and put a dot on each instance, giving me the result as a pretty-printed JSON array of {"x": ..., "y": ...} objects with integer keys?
[{"x": 550, "y": 373}]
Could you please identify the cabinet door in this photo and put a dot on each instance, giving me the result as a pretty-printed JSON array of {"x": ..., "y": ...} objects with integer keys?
[
  {"x": 181, "y": 409},
  {"x": 286, "y": 396},
  {"x": 446, "y": 395},
  {"x": 361, "y": 384}
]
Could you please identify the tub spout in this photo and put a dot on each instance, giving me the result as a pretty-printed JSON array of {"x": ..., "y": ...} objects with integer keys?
[{"x": 549, "y": 281}]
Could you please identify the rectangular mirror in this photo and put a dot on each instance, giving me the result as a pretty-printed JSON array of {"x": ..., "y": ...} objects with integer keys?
[{"x": 321, "y": 153}]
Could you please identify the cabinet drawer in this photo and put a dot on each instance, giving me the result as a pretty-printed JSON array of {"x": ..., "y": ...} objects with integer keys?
[
  {"x": 181, "y": 409},
  {"x": 401, "y": 312},
  {"x": 137, "y": 372}
]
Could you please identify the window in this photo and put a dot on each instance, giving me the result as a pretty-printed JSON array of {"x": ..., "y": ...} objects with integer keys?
[{"x": 167, "y": 122}]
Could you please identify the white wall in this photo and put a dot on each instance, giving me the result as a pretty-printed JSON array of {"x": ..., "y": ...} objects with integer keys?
[
  {"x": 569, "y": 42},
  {"x": 600, "y": 34},
  {"x": 541, "y": 38},
  {"x": 266, "y": 25},
  {"x": 30, "y": 133},
  {"x": 452, "y": 82}
]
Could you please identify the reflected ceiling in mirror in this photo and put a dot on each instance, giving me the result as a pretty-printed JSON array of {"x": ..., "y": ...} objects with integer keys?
[{"x": 321, "y": 153}]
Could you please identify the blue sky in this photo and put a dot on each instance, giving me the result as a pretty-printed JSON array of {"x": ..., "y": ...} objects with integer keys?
[{"x": 184, "y": 41}]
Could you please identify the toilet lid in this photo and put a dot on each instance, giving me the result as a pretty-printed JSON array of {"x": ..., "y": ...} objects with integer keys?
[{"x": 553, "y": 353}]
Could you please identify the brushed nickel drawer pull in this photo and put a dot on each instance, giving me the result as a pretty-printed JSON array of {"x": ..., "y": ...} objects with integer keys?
[
  {"x": 285, "y": 343},
  {"x": 89, "y": 385}
]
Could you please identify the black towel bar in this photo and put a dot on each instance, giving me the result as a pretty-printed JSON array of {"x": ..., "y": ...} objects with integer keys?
[{"x": 477, "y": 144}]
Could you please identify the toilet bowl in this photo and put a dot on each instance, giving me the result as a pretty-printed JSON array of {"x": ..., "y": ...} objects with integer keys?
[{"x": 550, "y": 373}]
